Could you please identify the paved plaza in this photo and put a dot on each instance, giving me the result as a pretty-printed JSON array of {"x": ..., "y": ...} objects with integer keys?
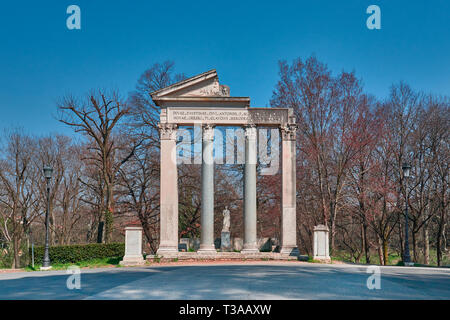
[{"x": 251, "y": 280}]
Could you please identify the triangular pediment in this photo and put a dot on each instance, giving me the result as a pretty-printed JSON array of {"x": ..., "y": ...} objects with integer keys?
[
  {"x": 202, "y": 85},
  {"x": 203, "y": 90}
]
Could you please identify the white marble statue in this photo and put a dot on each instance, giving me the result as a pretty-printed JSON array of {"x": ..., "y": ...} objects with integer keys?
[{"x": 226, "y": 220}]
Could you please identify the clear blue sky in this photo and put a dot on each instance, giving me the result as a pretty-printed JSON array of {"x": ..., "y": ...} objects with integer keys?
[{"x": 41, "y": 60}]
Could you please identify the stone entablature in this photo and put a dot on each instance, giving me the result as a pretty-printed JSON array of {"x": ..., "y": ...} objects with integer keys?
[{"x": 189, "y": 116}]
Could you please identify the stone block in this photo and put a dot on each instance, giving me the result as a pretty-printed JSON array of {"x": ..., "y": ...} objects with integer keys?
[
  {"x": 225, "y": 243},
  {"x": 217, "y": 243},
  {"x": 184, "y": 242},
  {"x": 320, "y": 243},
  {"x": 194, "y": 243},
  {"x": 264, "y": 244},
  {"x": 238, "y": 244},
  {"x": 133, "y": 247}
]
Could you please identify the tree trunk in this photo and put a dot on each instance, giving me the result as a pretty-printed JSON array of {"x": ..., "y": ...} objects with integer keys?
[
  {"x": 366, "y": 243},
  {"x": 108, "y": 213},
  {"x": 438, "y": 249},
  {"x": 108, "y": 225},
  {"x": 439, "y": 237},
  {"x": 414, "y": 242},
  {"x": 439, "y": 243},
  {"x": 380, "y": 251},
  {"x": 385, "y": 252},
  {"x": 426, "y": 245},
  {"x": 400, "y": 237},
  {"x": 363, "y": 240},
  {"x": 148, "y": 234},
  {"x": 332, "y": 231},
  {"x": 100, "y": 232},
  {"x": 16, "y": 248}
]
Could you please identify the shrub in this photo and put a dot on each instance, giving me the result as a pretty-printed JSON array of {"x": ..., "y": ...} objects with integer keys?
[
  {"x": 80, "y": 252},
  {"x": 7, "y": 256}
]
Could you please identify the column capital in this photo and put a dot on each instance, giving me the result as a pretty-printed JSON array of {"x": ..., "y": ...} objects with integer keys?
[
  {"x": 288, "y": 132},
  {"x": 168, "y": 131},
  {"x": 208, "y": 132},
  {"x": 250, "y": 132}
]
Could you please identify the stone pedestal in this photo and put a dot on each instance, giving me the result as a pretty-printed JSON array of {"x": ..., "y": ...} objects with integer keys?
[
  {"x": 133, "y": 247},
  {"x": 321, "y": 244},
  {"x": 225, "y": 241}
]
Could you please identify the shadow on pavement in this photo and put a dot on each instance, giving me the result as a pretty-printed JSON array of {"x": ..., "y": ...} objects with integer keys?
[{"x": 230, "y": 282}]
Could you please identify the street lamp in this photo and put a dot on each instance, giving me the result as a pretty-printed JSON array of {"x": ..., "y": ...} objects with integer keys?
[
  {"x": 48, "y": 176},
  {"x": 406, "y": 173}
]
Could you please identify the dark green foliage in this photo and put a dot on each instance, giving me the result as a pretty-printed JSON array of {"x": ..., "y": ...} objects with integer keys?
[{"x": 80, "y": 252}]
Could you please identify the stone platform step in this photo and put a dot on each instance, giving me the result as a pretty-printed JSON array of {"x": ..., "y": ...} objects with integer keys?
[{"x": 194, "y": 256}]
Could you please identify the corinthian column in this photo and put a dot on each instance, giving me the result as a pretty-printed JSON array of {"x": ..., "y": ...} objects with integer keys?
[
  {"x": 169, "y": 191},
  {"x": 250, "y": 245},
  {"x": 207, "y": 215},
  {"x": 288, "y": 195}
]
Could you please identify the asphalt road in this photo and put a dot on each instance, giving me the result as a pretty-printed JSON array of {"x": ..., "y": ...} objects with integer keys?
[{"x": 263, "y": 280}]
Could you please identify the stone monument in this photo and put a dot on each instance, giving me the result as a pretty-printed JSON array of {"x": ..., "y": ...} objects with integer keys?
[
  {"x": 202, "y": 101},
  {"x": 225, "y": 243},
  {"x": 320, "y": 245},
  {"x": 133, "y": 247},
  {"x": 184, "y": 244}
]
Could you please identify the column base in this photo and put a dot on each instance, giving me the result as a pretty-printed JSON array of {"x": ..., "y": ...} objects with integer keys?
[
  {"x": 326, "y": 259},
  {"x": 167, "y": 251},
  {"x": 249, "y": 251},
  {"x": 207, "y": 249},
  {"x": 250, "y": 248},
  {"x": 290, "y": 251},
  {"x": 132, "y": 261}
]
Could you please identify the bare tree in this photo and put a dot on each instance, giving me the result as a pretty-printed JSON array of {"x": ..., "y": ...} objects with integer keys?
[
  {"x": 97, "y": 117},
  {"x": 139, "y": 182},
  {"x": 144, "y": 112},
  {"x": 18, "y": 199}
]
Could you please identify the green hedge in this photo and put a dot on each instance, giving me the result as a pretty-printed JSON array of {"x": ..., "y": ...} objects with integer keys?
[{"x": 80, "y": 252}]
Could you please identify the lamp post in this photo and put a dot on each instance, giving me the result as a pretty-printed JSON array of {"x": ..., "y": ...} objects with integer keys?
[
  {"x": 406, "y": 172},
  {"x": 48, "y": 176}
]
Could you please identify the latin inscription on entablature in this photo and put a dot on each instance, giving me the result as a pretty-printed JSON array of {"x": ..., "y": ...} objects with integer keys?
[{"x": 218, "y": 116}]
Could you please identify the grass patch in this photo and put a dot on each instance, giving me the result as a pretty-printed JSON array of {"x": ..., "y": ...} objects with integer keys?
[
  {"x": 311, "y": 260},
  {"x": 393, "y": 258},
  {"x": 92, "y": 263},
  {"x": 156, "y": 259}
]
